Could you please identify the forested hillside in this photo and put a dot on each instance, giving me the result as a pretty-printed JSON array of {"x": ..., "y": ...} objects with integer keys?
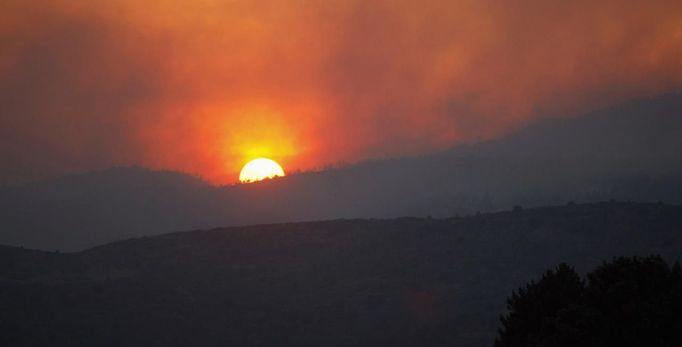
[{"x": 403, "y": 281}]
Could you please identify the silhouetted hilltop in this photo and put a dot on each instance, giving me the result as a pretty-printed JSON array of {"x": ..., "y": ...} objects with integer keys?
[
  {"x": 406, "y": 281},
  {"x": 79, "y": 211},
  {"x": 626, "y": 152},
  {"x": 648, "y": 129}
]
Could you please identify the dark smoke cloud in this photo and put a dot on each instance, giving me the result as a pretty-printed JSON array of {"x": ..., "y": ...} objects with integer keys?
[{"x": 202, "y": 86}]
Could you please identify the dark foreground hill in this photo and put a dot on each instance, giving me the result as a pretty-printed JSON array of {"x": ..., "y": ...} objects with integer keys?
[
  {"x": 407, "y": 281},
  {"x": 626, "y": 152}
]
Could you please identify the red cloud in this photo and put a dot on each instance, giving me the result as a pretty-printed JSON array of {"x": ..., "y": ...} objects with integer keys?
[{"x": 202, "y": 86}]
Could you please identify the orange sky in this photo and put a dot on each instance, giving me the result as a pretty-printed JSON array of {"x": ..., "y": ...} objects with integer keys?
[{"x": 202, "y": 86}]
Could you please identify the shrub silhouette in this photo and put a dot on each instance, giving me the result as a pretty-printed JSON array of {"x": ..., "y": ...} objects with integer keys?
[{"x": 627, "y": 302}]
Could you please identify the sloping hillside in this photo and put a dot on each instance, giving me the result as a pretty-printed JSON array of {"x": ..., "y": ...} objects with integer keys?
[
  {"x": 407, "y": 281},
  {"x": 628, "y": 152}
]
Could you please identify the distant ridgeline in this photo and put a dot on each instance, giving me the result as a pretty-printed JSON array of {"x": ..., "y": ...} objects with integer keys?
[
  {"x": 631, "y": 152},
  {"x": 405, "y": 281}
]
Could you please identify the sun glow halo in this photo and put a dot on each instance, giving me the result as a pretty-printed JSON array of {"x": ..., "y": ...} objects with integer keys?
[{"x": 260, "y": 169}]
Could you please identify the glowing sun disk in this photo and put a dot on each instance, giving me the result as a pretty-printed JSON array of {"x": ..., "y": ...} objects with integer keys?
[{"x": 260, "y": 169}]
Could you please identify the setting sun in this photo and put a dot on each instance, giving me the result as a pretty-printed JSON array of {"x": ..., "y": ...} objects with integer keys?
[{"x": 260, "y": 169}]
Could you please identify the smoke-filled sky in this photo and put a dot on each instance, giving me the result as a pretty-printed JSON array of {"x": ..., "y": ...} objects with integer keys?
[{"x": 202, "y": 86}]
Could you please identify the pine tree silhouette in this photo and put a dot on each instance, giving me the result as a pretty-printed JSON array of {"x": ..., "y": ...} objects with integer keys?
[{"x": 626, "y": 302}]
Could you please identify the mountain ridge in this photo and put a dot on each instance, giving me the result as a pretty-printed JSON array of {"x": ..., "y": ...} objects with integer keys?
[
  {"x": 82, "y": 211},
  {"x": 369, "y": 282}
]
